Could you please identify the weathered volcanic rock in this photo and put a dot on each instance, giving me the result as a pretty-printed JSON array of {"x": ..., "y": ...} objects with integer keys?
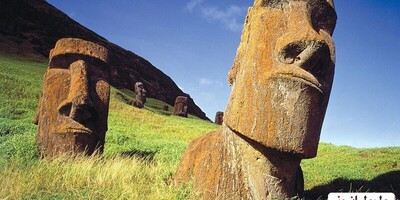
[
  {"x": 219, "y": 118},
  {"x": 73, "y": 109},
  {"x": 140, "y": 95},
  {"x": 180, "y": 106},
  {"x": 227, "y": 165},
  {"x": 32, "y": 27},
  {"x": 281, "y": 81}
]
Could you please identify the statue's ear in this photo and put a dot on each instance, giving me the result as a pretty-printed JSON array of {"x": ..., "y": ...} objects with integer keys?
[
  {"x": 37, "y": 113},
  {"x": 232, "y": 73}
]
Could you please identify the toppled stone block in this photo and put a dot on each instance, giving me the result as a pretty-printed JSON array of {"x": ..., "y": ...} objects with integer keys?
[{"x": 73, "y": 108}]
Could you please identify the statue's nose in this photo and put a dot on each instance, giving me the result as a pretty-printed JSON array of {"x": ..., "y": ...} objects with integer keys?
[
  {"x": 78, "y": 105},
  {"x": 309, "y": 55}
]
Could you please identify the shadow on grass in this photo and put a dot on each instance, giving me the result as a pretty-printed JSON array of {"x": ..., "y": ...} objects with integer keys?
[
  {"x": 388, "y": 182},
  {"x": 145, "y": 155}
]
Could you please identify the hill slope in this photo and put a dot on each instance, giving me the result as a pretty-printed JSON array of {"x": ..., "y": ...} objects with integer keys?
[
  {"x": 32, "y": 27},
  {"x": 142, "y": 151}
]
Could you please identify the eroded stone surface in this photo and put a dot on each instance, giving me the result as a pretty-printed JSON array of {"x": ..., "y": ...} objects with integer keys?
[
  {"x": 219, "y": 118},
  {"x": 282, "y": 75},
  {"x": 140, "y": 95},
  {"x": 73, "y": 108},
  {"x": 281, "y": 81},
  {"x": 180, "y": 107}
]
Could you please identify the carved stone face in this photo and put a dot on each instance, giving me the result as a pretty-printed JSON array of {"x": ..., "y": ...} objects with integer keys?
[
  {"x": 219, "y": 116},
  {"x": 282, "y": 75},
  {"x": 73, "y": 109},
  {"x": 180, "y": 107},
  {"x": 140, "y": 92}
]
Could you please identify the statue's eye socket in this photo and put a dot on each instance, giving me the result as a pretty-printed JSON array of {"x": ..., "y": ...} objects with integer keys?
[{"x": 323, "y": 16}]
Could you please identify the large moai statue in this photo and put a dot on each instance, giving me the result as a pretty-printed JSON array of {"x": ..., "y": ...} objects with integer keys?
[
  {"x": 140, "y": 95},
  {"x": 180, "y": 107},
  {"x": 219, "y": 118},
  {"x": 73, "y": 108},
  {"x": 281, "y": 81}
]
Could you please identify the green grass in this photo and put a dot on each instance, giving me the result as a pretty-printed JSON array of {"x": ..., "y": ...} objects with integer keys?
[{"x": 142, "y": 151}]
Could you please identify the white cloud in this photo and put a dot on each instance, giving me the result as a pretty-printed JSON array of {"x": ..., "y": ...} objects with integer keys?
[
  {"x": 209, "y": 82},
  {"x": 205, "y": 81},
  {"x": 192, "y": 4},
  {"x": 231, "y": 17},
  {"x": 228, "y": 17}
]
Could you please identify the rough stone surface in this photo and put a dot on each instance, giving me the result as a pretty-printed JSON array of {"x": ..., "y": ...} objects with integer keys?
[
  {"x": 219, "y": 118},
  {"x": 73, "y": 108},
  {"x": 281, "y": 81},
  {"x": 140, "y": 95},
  {"x": 180, "y": 107}
]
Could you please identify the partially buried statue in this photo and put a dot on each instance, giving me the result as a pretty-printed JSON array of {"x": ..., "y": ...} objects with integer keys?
[
  {"x": 180, "y": 107},
  {"x": 219, "y": 117},
  {"x": 73, "y": 108},
  {"x": 281, "y": 81},
  {"x": 140, "y": 95}
]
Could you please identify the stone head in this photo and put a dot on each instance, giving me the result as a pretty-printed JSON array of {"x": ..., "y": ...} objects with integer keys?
[
  {"x": 73, "y": 109},
  {"x": 140, "y": 92},
  {"x": 180, "y": 107},
  {"x": 282, "y": 74},
  {"x": 219, "y": 116}
]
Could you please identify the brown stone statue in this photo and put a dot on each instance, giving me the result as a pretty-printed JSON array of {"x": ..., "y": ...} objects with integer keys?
[
  {"x": 219, "y": 118},
  {"x": 140, "y": 98},
  {"x": 73, "y": 108},
  {"x": 180, "y": 107},
  {"x": 281, "y": 81},
  {"x": 165, "y": 107}
]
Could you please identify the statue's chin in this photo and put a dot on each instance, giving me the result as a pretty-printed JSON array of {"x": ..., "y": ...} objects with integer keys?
[{"x": 296, "y": 109}]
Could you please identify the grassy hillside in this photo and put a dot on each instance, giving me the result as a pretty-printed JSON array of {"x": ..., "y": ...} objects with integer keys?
[{"x": 142, "y": 151}]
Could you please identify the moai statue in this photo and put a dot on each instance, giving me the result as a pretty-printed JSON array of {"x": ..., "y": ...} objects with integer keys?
[
  {"x": 73, "y": 108},
  {"x": 165, "y": 107},
  {"x": 140, "y": 93},
  {"x": 281, "y": 81},
  {"x": 219, "y": 118},
  {"x": 180, "y": 107}
]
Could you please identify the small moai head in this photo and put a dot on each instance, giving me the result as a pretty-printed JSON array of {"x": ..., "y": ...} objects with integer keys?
[
  {"x": 282, "y": 75},
  {"x": 180, "y": 107},
  {"x": 219, "y": 117},
  {"x": 73, "y": 109},
  {"x": 165, "y": 107},
  {"x": 140, "y": 98},
  {"x": 140, "y": 92}
]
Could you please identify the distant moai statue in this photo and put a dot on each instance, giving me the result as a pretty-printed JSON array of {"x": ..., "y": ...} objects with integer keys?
[
  {"x": 140, "y": 95},
  {"x": 165, "y": 107},
  {"x": 180, "y": 107},
  {"x": 73, "y": 108},
  {"x": 281, "y": 81},
  {"x": 219, "y": 117}
]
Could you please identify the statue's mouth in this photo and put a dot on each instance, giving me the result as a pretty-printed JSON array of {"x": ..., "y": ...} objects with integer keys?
[
  {"x": 297, "y": 74},
  {"x": 79, "y": 130},
  {"x": 75, "y": 131}
]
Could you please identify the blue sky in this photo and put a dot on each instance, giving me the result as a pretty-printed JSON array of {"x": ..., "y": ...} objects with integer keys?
[{"x": 195, "y": 41}]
